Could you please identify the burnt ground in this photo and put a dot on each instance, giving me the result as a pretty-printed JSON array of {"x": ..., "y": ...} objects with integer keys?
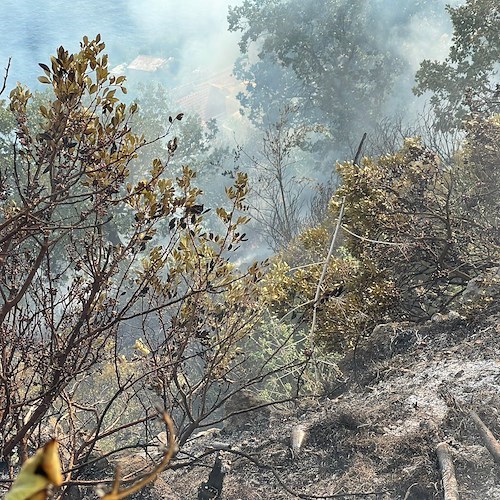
[
  {"x": 410, "y": 387},
  {"x": 407, "y": 388}
]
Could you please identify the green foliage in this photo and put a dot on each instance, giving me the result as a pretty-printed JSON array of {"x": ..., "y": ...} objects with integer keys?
[
  {"x": 471, "y": 65},
  {"x": 324, "y": 56},
  {"x": 399, "y": 209},
  {"x": 409, "y": 216},
  {"x": 478, "y": 190},
  {"x": 7, "y": 124},
  {"x": 354, "y": 296},
  {"x": 414, "y": 233},
  {"x": 71, "y": 296},
  {"x": 282, "y": 350}
]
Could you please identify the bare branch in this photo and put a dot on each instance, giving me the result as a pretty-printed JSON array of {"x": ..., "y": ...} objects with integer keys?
[
  {"x": 447, "y": 472},
  {"x": 5, "y": 76}
]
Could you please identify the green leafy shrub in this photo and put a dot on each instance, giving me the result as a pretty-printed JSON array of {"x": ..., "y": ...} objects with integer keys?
[{"x": 414, "y": 233}]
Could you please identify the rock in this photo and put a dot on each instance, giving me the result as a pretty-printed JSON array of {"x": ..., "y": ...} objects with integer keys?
[
  {"x": 485, "y": 287},
  {"x": 452, "y": 315},
  {"x": 298, "y": 438},
  {"x": 437, "y": 318},
  {"x": 243, "y": 401}
]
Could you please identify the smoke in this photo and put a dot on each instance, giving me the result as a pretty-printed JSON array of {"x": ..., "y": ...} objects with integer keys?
[
  {"x": 425, "y": 35},
  {"x": 414, "y": 30},
  {"x": 193, "y": 32},
  {"x": 196, "y": 31}
]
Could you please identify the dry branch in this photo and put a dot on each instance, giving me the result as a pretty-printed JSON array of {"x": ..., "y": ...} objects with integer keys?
[
  {"x": 323, "y": 272},
  {"x": 6, "y": 75},
  {"x": 327, "y": 261},
  {"x": 117, "y": 494},
  {"x": 447, "y": 472},
  {"x": 487, "y": 436}
]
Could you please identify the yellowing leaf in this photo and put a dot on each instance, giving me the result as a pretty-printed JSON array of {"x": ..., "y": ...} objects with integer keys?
[
  {"x": 140, "y": 346},
  {"x": 51, "y": 464},
  {"x": 37, "y": 473}
]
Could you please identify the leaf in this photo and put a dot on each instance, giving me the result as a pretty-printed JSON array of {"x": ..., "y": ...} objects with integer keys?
[
  {"x": 140, "y": 346},
  {"x": 37, "y": 473},
  {"x": 43, "y": 79},
  {"x": 45, "y": 68}
]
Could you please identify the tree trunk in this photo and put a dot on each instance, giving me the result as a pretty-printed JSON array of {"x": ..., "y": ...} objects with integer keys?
[
  {"x": 450, "y": 485},
  {"x": 487, "y": 436}
]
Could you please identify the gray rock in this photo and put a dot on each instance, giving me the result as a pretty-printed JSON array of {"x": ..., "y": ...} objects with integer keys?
[{"x": 483, "y": 288}]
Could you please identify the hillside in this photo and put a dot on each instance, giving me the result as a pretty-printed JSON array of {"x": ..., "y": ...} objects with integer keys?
[
  {"x": 410, "y": 387},
  {"x": 278, "y": 281}
]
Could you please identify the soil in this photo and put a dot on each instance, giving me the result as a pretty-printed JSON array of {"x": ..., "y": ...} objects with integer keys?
[
  {"x": 407, "y": 388},
  {"x": 410, "y": 387}
]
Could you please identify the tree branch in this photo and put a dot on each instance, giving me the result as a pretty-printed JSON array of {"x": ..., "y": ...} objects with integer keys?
[
  {"x": 447, "y": 472},
  {"x": 5, "y": 76}
]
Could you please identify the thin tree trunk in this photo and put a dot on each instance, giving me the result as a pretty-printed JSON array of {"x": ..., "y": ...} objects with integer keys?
[
  {"x": 328, "y": 257},
  {"x": 487, "y": 436},
  {"x": 447, "y": 468}
]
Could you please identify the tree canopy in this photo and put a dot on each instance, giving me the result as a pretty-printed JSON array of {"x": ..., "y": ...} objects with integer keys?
[
  {"x": 324, "y": 56},
  {"x": 471, "y": 68}
]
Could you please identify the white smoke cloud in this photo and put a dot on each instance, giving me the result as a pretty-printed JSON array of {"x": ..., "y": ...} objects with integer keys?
[
  {"x": 197, "y": 28},
  {"x": 194, "y": 30},
  {"x": 426, "y": 37}
]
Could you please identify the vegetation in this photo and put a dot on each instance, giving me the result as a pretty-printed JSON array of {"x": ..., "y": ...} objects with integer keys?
[
  {"x": 414, "y": 234},
  {"x": 323, "y": 57},
  {"x": 198, "y": 144},
  {"x": 471, "y": 68},
  {"x": 99, "y": 327},
  {"x": 126, "y": 292}
]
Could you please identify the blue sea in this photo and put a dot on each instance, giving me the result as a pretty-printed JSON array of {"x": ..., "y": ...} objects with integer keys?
[{"x": 191, "y": 32}]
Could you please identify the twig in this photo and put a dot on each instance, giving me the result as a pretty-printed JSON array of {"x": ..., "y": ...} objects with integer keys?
[
  {"x": 5, "y": 76},
  {"x": 450, "y": 485},
  {"x": 327, "y": 260},
  {"x": 297, "y": 268},
  {"x": 300, "y": 306},
  {"x": 408, "y": 491},
  {"x": 323, "y": 272},
  {"x": 487, "y": 436},
  {"x": 379, "y": 242},
  {"x": 360, "y": 148},
  {"x": 116, "y": 494}
]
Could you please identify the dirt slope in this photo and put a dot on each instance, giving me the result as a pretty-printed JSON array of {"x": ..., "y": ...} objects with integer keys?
[
  {"x": 408, "y": 387},
  {"x": 411, "y": 386}
]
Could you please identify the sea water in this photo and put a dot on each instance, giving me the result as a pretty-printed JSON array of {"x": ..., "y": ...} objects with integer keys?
[{"x": 189, "y": 34}]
